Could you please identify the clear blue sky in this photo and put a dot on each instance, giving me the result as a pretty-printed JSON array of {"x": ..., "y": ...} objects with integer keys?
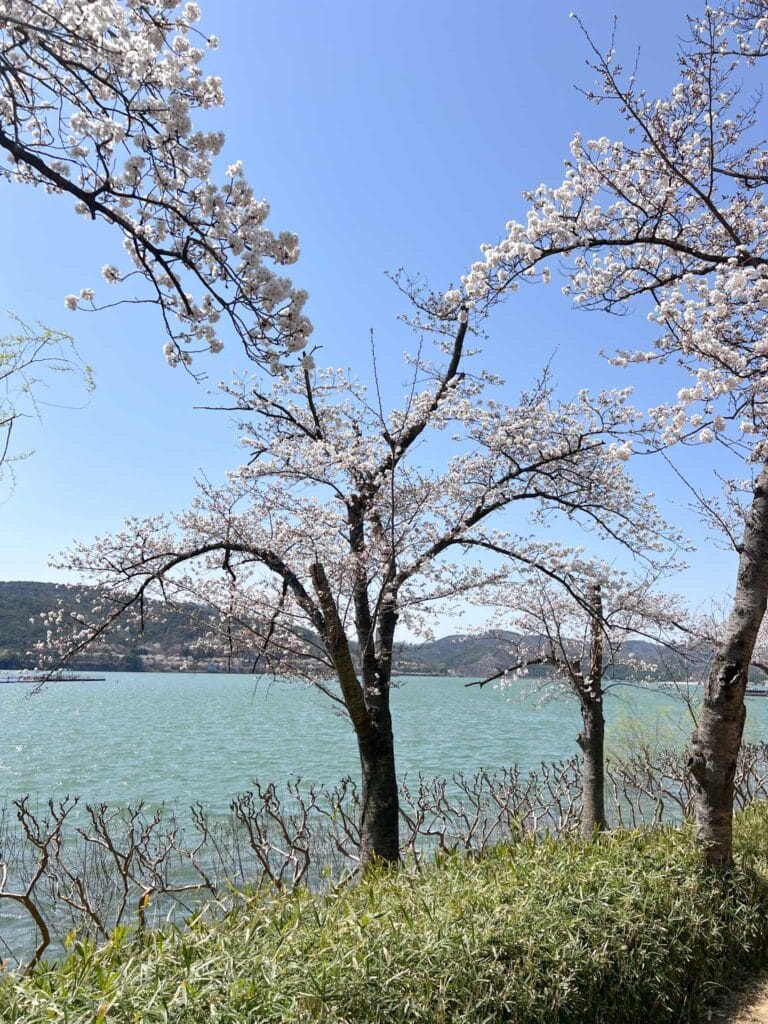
[{"x": 386, "y": 135}]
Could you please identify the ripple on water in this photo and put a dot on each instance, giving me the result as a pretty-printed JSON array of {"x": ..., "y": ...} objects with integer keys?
[{"x": 187, "y": 737}]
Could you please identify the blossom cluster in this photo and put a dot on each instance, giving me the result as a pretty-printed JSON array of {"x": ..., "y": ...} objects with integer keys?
[
  {"x": 580, "y": 626},
  {"x": 673, "y": 213},
  {"x": 97, "y": 101},
  {"x": 334, "y": 527}
]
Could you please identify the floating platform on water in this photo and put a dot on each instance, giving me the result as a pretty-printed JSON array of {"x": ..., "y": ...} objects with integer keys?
[{"x": 41, "y": 678}]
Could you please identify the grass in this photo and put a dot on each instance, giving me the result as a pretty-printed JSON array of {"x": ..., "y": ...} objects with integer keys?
[{"x": 626, "y": 928}]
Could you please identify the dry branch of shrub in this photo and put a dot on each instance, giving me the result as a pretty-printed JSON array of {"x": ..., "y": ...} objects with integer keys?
[{"x": 89, "y": 869}]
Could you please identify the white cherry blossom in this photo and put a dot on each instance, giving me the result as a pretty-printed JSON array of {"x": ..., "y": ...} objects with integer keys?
[
  {"x": 671, "y": 214},
  {"x": 97, "y": 101},
  {"x": 337, "y": 531}
]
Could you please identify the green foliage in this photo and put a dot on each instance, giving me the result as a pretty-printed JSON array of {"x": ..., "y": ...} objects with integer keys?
[
  {"x": 627, "y": 928},
  {"x": 31, "y": 356}
]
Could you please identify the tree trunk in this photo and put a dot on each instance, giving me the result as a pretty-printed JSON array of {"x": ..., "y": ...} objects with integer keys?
[
  {"x": 592, "y": 738},
  {"x": 592, "y": 743},
  {"x": 380, "y": 813},
  {"x": 716, "y": 741}
]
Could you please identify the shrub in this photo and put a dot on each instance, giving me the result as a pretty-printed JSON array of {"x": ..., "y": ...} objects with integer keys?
[{"x": 628, "y": 927}]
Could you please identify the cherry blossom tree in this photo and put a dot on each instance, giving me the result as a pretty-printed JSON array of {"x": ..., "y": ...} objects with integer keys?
[
  {"x": 30, "y": 357},
  {"x": 580, "y": 628},
  {"x": 670, "y": 216},
  {"x": 335, "y": 532},
  {"x": 97, "y": 102}
]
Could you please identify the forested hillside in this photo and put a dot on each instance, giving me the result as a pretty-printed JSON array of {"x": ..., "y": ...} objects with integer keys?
[
  {"x": 164, "y": 643},
  {"x": 174, "y": 639}
]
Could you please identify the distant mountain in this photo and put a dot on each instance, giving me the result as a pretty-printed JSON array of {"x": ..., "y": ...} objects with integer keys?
[
  {"x": 457, "y": 655},
  {"x": 172, "y": 641},
  {"x": 481, "y": 656}
]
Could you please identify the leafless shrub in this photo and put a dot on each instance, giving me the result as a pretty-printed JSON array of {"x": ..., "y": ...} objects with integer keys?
[{"x": 89, "y": 869}]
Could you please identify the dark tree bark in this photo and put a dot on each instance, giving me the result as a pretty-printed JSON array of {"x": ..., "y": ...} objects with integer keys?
[
  {"x": 380, "y": 817},
  {"x": 368, "y": 707},
  {"x": 591, "y": 739},
  {"x": 716, "y": 741},
  {"x": 380, "y": 814}
]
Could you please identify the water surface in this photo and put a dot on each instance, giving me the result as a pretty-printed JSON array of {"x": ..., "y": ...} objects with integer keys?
[{"x": 186, "y": 737}]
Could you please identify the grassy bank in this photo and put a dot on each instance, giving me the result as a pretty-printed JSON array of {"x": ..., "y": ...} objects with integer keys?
[{"x": 628, "y": 928}]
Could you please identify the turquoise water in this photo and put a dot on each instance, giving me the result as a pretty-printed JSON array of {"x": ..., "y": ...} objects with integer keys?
[
  {"x": 187, "y": 737},
  {"x": 179, "y": 739}
]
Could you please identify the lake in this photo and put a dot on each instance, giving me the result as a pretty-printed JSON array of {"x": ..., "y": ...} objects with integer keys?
[{"x": 187, "y": 737}]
